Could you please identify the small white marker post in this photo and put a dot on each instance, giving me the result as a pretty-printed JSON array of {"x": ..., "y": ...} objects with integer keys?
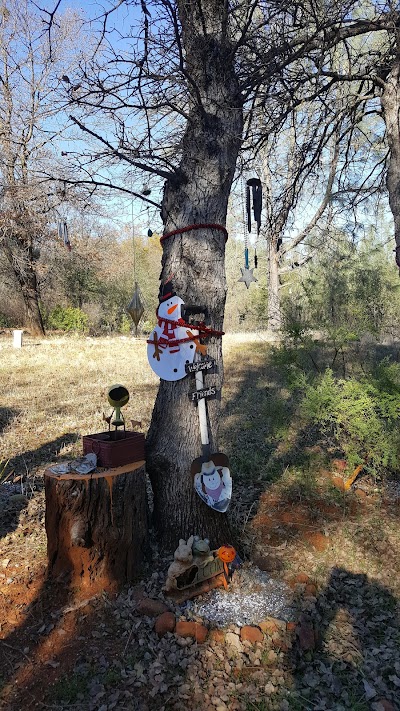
[{"x": 17, "y": 343}]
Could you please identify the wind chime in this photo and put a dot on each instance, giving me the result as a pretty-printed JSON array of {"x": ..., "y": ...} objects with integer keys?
[
  {"x": 135, "y": 307},
  {"x": 62, "y": 229},
  {"x": 253, "y": 199}
]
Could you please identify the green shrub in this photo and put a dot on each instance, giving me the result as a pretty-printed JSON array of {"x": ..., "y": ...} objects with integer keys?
[
  {"x": 362, "y": 415},
  {"x": 125, "y": 325},
  {"x": 67, "y": 318}
]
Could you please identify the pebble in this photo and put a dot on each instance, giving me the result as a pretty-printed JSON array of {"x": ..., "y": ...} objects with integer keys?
[
  {"x": 150, "y": 607},
  {"x": 233, "y": 640}
]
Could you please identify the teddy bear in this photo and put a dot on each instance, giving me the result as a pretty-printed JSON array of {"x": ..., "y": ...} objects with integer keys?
[{"x": 183, "y": 557}]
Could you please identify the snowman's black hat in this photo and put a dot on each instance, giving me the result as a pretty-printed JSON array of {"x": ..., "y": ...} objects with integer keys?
[{"x": 166, "y": 291}]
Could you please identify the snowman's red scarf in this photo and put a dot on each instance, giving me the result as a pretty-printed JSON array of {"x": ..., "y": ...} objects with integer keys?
[{"x": 204, "y": 332}]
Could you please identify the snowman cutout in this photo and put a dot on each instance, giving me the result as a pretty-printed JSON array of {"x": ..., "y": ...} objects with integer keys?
[
  {"x": 170, "y": 346},
  {"x": 214, "y": 485}
]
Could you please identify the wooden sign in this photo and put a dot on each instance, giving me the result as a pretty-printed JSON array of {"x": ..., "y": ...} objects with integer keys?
[
  {"x": 207, "y": 365},
  {"x": 209, "y": 392}
]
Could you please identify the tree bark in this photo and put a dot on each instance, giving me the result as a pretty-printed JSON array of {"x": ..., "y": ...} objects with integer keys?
[
  {"x": 391, "y": 108},
  {"x": 199, "y": 194},
  {"x": 97, "y": 528}
]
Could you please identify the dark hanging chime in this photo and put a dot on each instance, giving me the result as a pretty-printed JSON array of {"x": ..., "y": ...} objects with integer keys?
[
  {"x": 256, "y": 195},
  {"x": 253, "y": 197},
  {"x": 62, "y": 229}
]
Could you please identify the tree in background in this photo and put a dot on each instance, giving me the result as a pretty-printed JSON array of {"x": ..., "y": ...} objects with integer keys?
[
  {"x": 29, "y": 123},
  {"x": 348, "y": 291}
]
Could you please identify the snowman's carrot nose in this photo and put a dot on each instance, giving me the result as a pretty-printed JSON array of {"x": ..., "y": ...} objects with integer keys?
[{"x": 171, "y": 309}]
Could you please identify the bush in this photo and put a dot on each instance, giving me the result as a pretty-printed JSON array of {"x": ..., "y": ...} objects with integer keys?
[
  {"x": 67, "y": 318},
  {"x": 362, "y": 415}
]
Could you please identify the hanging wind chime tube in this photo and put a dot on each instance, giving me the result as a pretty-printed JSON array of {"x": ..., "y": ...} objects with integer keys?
[
  {"x": 62, "y": 229},
  {"x": 135, "y": 307},
  {"x": 255, "y": 195}
]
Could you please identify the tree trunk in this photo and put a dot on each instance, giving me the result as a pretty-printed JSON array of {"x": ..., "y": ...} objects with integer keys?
[
  {"x": 274, "y": 302},
  {"x": 97, "y": 527},
  {"x": 199, "y": 194},
  {"x": 21, "y": 260},
  {"x": 391, "y": 108},
  {"x": 33, "y": 318}
]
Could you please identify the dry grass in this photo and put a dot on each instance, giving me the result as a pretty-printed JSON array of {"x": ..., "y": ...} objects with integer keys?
[{"x": 54, "y": 390}]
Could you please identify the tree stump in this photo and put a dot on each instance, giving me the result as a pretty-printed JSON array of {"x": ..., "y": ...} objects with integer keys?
[{"x": 97, "y": 525}]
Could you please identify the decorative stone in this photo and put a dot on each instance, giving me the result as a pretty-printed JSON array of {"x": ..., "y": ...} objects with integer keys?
[
  {"x": 291, "y": 627},
  {"x": 339, "y": 464},
  {"x": 271, "y": 625},
  {"x": 251, "y": 634},
  {"x": 301, "y": 579},
  {"x": 339, "y": 483},
  {"x": 281, "y": 641},
  {"x": 306, "y": 635},
  {"x": 191, "y": 629},
  {"x": 233, "y": 640},
  {"x": 165, "y": 623},
  {"x": 151, "y": 608},
  {"x": 266, "y": 562},
  {"x": 217, "y": 636},
  {"x": 311, "y": 590},
  {"x": 317, "y": 540},
  {"x": 383, "y": 705}
]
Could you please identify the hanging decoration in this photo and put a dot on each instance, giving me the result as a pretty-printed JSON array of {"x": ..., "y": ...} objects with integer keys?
[
  {"x": 212, "y": 478},
  {"x": 149, "y": 230},
  {"x": 256, "y": 196},
  {"x": 135, "y": 307},
  {"x": 253, "y": 197},
  {"x": 62, "y": 229},
  {"x": 171, "y": 344}
]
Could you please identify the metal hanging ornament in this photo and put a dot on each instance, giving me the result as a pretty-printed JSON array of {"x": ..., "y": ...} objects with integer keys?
[
  {"x": 254, "y": 195},
  {"x": 135, "y": 307},
  {"x": 62, "y": 229}
]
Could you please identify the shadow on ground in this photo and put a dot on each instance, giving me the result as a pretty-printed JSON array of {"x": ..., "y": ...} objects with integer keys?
[
  {"x": 47, "y": 452},
  {"x": 15, "y": 498},
  {"x": 7, "y": 415},
  {"x": 348, "y": 646}
]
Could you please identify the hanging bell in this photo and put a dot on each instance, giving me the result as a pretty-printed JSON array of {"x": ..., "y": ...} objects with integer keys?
[{"x": 136, "y": 307}]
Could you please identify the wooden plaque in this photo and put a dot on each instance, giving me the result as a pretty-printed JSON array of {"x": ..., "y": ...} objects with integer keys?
[
  {"x": 205, "y": 365},
  {"x": 209, "y": 392}
]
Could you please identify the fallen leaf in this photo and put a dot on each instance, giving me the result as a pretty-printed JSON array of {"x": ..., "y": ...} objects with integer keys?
[{"x": 369, "y": 690}]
